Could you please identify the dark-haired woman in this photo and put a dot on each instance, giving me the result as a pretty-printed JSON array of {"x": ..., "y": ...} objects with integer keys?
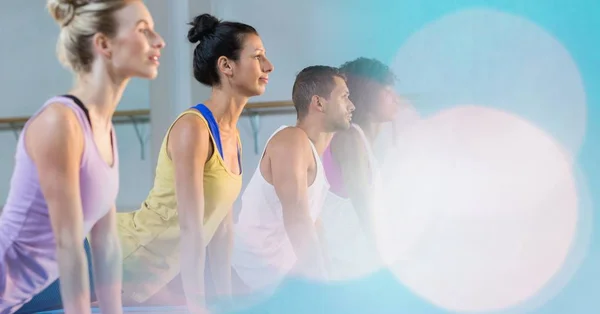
[
  {"x": 354, "y": 173},
  {"x": 188, "y": 212}
]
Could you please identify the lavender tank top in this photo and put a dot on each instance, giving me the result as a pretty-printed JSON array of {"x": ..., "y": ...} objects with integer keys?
[{"x": 27, "y": 246}]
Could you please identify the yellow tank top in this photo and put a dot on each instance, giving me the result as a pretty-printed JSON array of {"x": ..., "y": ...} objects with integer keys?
[
  {"x": 221, "y": 186},
  {"x": 150, "y": 235}
]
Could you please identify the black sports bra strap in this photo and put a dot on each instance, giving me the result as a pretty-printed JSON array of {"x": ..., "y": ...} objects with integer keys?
[
  {"x": 87, "y": 113},
  {"x": 79, "y": 103}
]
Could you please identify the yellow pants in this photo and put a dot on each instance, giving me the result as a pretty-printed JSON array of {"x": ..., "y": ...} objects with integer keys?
[{"x": 150, "y": 245}]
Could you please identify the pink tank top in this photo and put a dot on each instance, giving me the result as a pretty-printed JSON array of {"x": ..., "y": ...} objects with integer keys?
[
  {"x": 334, "y": 172},
  {"x": 27, "y": 246}
]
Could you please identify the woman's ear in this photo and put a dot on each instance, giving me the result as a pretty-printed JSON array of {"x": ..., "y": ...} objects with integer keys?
[
  {"x": 224, "y": 65},
  {"x": 102, "y": 45}
]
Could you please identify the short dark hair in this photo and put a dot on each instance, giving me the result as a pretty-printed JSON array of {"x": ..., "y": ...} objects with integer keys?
[
  {"x": 313, "y": 80},
  {"x": 215, "y": 38},
  {"x": 364, "y": 76}
]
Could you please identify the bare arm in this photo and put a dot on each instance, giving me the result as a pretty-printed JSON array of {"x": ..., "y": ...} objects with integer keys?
[
  {"x": 106, "y": 263},
  {"x": 289, "y": 166},
  {"x": 321, "y": 234},
  {"x": 57, "y": 156},
  {"x": 219, "y": 257},
  {"x": 189, "y": 150},
  {"x": 350, "y": 153}
]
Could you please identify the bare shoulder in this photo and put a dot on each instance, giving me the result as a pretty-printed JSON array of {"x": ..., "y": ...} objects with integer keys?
[
  {"x": 188, "y": 134},
  {"x": 189, "y": 126},
  {"x": 188, "y": 129},
  {"x": 57, "y": 118},
  {"x": 54, "y": 138},
  {"x": 351, "y": 134},
  {"x": 290, "y": 139},
  {"x": 346, "y": 142},
  {"x": 56, "y": 127}
]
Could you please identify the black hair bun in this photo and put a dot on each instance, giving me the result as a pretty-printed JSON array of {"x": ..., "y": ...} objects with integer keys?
[{"x": 202, "y": 25}]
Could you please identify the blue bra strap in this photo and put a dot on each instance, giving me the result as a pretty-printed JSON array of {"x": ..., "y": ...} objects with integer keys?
[{"x": 212, "y": 125}]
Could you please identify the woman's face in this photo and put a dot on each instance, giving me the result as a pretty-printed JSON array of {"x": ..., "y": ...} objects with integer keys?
[
  {"x": 136, "y": 47},
  {"x": 251, "y": 70},
  {"x": 385, "y": 104}
]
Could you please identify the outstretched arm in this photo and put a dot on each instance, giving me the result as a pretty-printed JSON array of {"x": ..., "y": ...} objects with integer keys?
[
  {"x": 290, "y": 159},
  {"x": 107, "y": 263},
  {"x": 219, "y": 257},
  {"x": 189, "y": 150},
  {"x": 321, "y": 235},
  {"x": 57, "y": 156}
]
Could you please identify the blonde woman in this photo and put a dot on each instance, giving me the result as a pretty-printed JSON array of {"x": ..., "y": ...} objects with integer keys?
[{"x": 66, "y": 177}]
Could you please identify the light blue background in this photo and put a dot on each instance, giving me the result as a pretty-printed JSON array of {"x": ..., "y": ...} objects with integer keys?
[{"x": 383, "y": 27}]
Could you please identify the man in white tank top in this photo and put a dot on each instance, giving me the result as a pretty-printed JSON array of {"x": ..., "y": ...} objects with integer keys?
[{"x": 277, "y": 230}]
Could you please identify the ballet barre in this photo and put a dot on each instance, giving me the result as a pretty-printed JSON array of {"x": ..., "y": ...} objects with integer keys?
[
  {"x": 142, "y": 116},
  {"x": 119, "y": 117},
  {"x": 254, "y": 110},
  {"x": 135, "y": 117}
]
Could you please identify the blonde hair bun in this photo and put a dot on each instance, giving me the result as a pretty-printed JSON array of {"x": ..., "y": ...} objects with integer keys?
[{"x": 63, "y": 11}]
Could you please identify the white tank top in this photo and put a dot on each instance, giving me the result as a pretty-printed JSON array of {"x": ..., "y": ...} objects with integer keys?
[
  {"x": 371, "y": 159},
  {"x": 351, "y": 255},
  {"x": 262, "y": 251}
]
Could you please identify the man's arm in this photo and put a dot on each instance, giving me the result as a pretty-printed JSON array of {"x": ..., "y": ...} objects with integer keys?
[
  {"x": 321, "y": 234},
  {"x": 107, "y": 262},
  {"x": 290, "y": 157}
]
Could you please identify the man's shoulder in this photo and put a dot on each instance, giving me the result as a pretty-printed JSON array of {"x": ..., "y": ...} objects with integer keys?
[
  {"x": 289, "y": 139},
  {"x": 290, "y": 135}
]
